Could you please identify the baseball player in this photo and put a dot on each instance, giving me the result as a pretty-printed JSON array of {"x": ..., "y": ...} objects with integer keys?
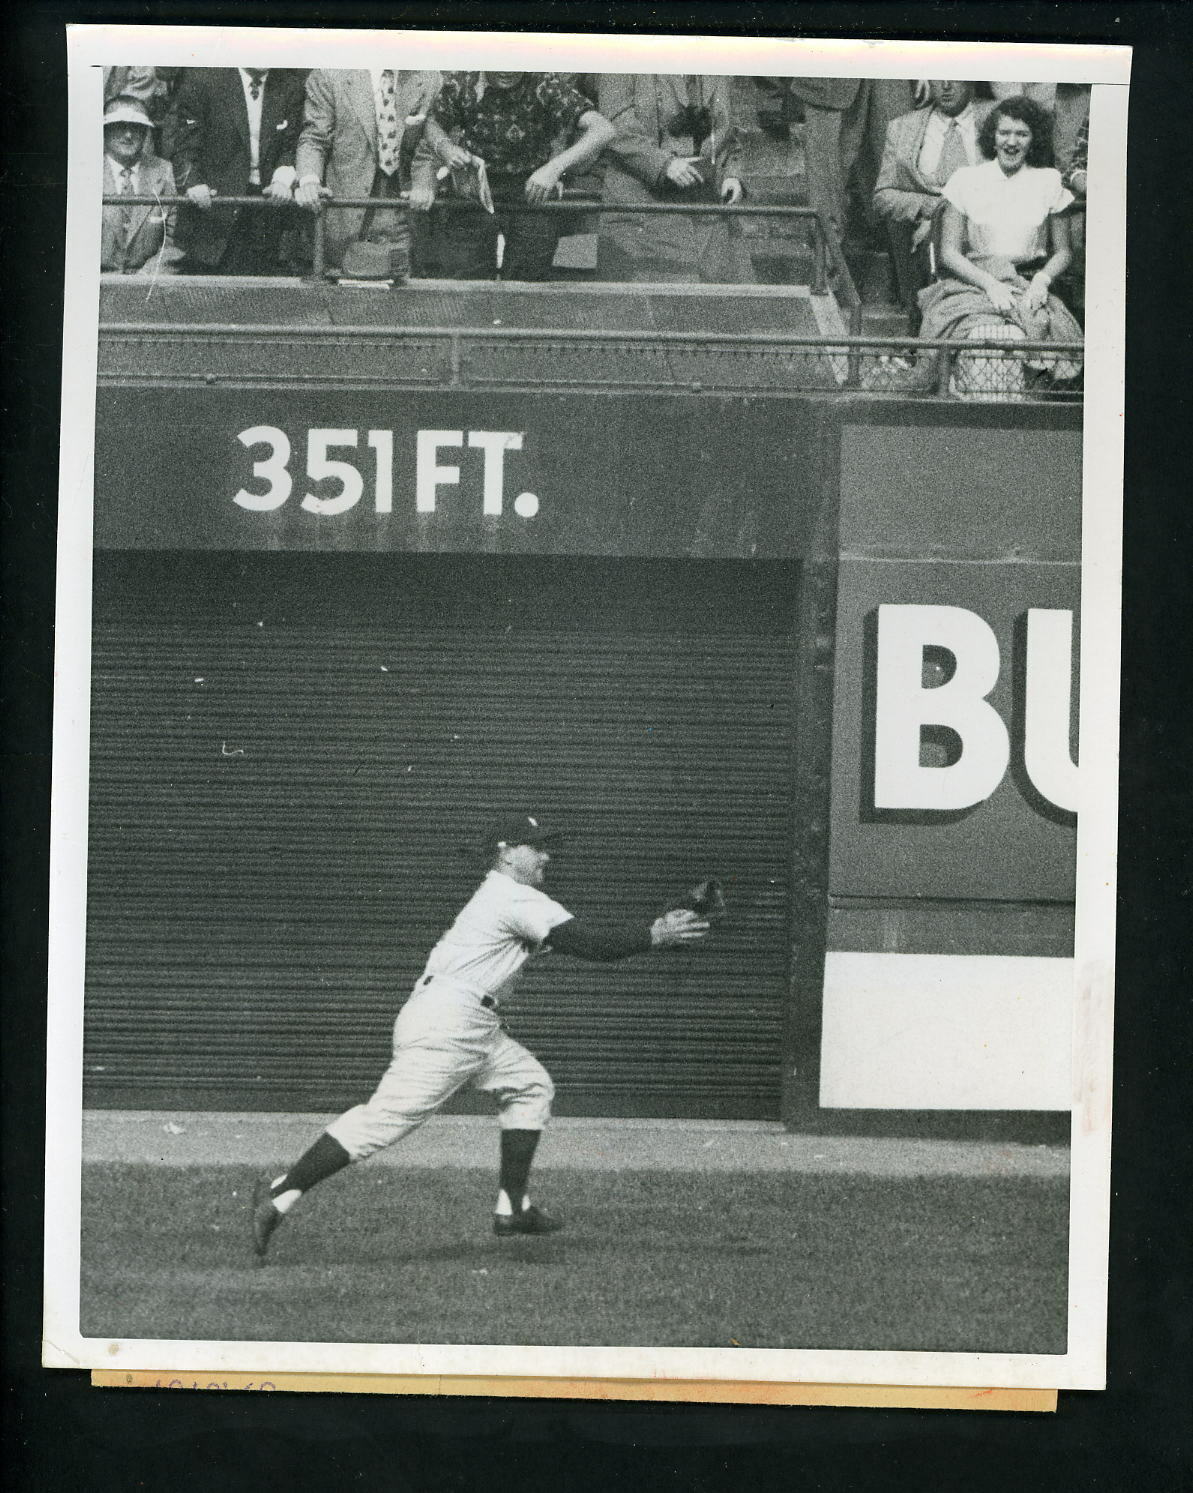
[{"x": 449, "y": 1032}]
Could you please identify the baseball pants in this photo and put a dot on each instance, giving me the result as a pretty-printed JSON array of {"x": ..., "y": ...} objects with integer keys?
[{"x": 444, "y": 1039}]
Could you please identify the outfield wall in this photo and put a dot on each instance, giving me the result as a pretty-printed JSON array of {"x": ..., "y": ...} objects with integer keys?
[{"x": 819, "y": 645}]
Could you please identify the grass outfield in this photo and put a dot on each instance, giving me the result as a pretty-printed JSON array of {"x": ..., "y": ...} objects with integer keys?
[{"x": 948, "y": 1264}]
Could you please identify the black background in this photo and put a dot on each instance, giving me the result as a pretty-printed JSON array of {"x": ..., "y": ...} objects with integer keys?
[{"x": 1139, "y": 1433}]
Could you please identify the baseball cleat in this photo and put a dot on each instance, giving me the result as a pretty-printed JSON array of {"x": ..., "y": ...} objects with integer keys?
[
  {"x": 265, "y": 1218},
  {"x": 531, "y": 1220}
]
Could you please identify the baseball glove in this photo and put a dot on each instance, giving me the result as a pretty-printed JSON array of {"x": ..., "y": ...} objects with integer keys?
[{"x": 706, "y": 899}]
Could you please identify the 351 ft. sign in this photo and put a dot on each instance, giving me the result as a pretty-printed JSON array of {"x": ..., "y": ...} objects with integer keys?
[{"x": 273, "y": 482}]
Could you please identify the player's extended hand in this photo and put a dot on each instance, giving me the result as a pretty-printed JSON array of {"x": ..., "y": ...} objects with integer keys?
[{"x": 678, "y": 927}]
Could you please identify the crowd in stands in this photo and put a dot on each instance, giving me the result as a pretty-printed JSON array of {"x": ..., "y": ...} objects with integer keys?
[{"x": 975, "y": 191}]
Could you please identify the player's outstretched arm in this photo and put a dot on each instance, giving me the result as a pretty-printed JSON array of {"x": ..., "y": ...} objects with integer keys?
[{"x": 584, "y": 940}]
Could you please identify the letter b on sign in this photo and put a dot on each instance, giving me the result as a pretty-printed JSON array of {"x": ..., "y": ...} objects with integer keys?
[{"x": 904, "y": 708}]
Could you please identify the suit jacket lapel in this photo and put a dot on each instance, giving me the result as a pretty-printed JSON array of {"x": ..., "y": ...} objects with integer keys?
[
  {"x": 272, "y": 115},
  {"x": 234, "y": 102},
  {"x": 360, "y": 86}
]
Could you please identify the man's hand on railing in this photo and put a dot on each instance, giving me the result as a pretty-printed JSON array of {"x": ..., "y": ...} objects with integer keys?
[
  {"x": 201, "y": 197},
  {"x": 278, "y": 193},
  {"x": 310, "y": 194},
  {"x": 732, "y": 190},
  {"x": 421, "y": 199}
]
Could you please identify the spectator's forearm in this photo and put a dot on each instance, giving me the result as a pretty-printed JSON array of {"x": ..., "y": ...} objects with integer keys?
[
  {"x": 896, "y": 205},
  {"x": 597, "y": 134}
]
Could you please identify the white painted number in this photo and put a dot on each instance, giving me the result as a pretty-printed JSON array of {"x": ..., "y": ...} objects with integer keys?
[
  {"x": 430, "y": 474},
  {"x": 382, "y": 442},
  {"x": 271, "y": 470},
  {"x": 320, "y": 465}
]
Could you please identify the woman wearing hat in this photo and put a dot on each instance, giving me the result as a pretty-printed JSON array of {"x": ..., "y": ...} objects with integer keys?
[{"x": 134, "y": 238}]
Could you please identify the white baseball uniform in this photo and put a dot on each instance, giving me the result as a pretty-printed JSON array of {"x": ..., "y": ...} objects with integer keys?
[{"x": 449, "y": 1034}]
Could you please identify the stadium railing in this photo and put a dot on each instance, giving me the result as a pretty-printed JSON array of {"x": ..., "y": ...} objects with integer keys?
[{"x": 980, "y": 369}]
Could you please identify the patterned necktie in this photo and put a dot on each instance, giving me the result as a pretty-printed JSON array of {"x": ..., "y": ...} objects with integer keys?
[
  {"x": 126, "y": 190},
  {"x": 387, "y": 124},
  {"x": 256, "y": 81},
  {"x": 952, "y": 153}
]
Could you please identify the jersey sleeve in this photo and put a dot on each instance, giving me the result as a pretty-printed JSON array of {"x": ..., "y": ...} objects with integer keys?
[{"x": 531, "y": 914}]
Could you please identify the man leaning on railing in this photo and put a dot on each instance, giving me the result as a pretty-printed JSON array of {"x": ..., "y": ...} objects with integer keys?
[{"x": 360, "y": 132}]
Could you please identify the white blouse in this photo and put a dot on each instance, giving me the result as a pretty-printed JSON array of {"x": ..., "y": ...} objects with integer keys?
[{"x": 1007, "y": 215}]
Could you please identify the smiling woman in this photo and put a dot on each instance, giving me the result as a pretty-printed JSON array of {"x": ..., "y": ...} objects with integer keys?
[{"x": 1004, "y": 240}]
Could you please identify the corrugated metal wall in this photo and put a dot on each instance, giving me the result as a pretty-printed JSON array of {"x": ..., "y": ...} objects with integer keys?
[{"x": 280, "y": 793}]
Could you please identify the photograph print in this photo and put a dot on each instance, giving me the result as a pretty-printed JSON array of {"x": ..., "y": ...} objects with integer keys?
[{"x": 567, "y": 855}]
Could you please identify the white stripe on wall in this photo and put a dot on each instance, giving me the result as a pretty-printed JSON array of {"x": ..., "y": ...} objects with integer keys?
[{"x": 946, "y": 1031}]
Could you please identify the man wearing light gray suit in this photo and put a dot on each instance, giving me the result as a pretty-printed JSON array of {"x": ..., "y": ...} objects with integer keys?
[
  {"x": 922, "y": 150},
  {"x": 359, "y": 133},
  {"x": 134, "y": 238}
]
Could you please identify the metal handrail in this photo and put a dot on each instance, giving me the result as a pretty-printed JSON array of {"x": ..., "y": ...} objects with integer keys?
[
  {"x": 936, "y": 379},
  {"x": 824, "y": 343},
  {"x": 571, "y": 202}
]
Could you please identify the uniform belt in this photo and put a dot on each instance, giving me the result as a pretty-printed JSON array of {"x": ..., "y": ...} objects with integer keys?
[{"x": 486, "y": 1000}]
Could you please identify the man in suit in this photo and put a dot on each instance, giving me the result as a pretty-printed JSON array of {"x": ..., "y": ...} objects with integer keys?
[
  {"x": 358, "y": 137},
  {"x": 845, "y": 120},
  {"x": 237, "y": 132},
  {"x": 133, "y": 238},
  {"x": 923, "y": 149}
]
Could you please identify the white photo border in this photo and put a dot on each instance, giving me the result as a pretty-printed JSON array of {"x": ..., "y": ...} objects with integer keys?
[{"x": 1082, "y": 1366}]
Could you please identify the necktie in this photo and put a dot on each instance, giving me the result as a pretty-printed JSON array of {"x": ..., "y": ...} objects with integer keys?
[
  {"x": 126, "y": 190},
  {"x": 387, "y": 124},
  {"x": 256, "y": 81},
  {"x": 952, "y": 153}
]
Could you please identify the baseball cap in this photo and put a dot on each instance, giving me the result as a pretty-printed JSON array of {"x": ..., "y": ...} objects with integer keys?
[
  {"x": 127, "y": 111},
  {"x": 519, "y": 829}
]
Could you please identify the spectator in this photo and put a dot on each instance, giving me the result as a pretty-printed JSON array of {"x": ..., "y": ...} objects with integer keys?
[
  {"x": 923, "y": 149},
  {"x": 675, "y": 143},
  {"x": 139, "y": 83},
  {"x": 237, "y": 130},
  {"x": 1075, "y": 177},
  {"x": 164, "y": 108},
  {"x": 1004, "y": 240},
  {"x": 1067, "y": 103},
  {"x": 133, "y": 238},
  {"x": 361, "y": 129},
  {"x": 845, "y": 124},
  {"x": 511, "y": 122}
]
